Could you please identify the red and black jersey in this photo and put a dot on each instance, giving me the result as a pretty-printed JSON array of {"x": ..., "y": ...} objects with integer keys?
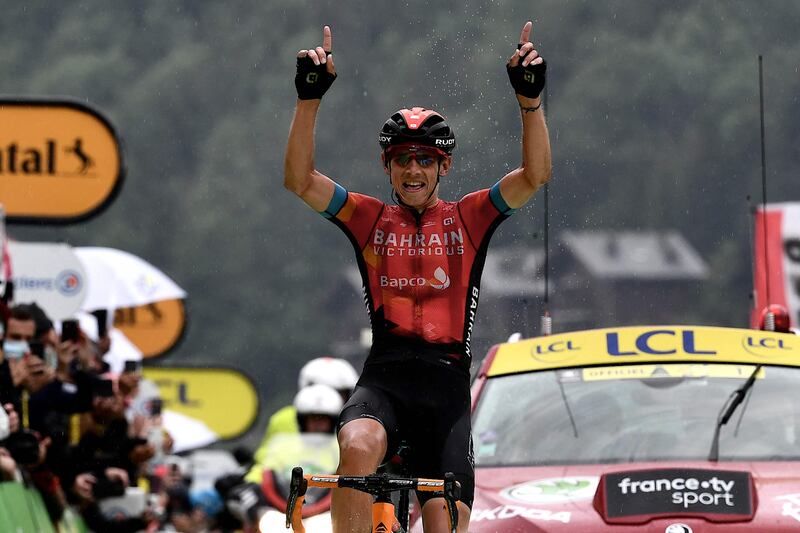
[{"x": 421, "y": 272}]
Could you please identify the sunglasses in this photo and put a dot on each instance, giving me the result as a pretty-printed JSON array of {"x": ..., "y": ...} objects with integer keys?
[{"x": 424, "y": 158}]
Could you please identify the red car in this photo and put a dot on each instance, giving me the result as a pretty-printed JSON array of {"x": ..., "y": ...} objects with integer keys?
[{"x": 668, "y": 429}]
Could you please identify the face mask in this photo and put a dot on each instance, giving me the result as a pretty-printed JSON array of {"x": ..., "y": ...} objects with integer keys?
[{"x": 15, "y": 349}]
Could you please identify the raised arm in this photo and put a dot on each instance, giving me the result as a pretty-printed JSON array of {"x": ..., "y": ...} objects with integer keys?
[
  {"x": 526, "y": 70},
  {"x": 315, "y": 74}
]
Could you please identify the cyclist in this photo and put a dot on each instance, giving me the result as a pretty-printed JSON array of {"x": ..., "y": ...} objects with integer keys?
[
  {"x": 334, "y": 372},
  {"x": 420, "y": 262}
]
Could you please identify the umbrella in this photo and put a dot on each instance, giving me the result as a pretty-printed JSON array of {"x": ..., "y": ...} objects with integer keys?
[
  {"x": 119, "y": 279},
  {"x": 121, "y": 350},
  {"x": 187, "y": 433}
]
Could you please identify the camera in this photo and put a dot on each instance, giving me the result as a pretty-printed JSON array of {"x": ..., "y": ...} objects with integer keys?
[
  {"x": 107, "y": 488},
  {"x": 23, "y": 447},
  {"x": 103, "y": 388},
  {"x": 132, "y": 366}
]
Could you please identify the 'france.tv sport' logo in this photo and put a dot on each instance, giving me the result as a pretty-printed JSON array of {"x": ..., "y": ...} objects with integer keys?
[{"x": 68, "y": 283}]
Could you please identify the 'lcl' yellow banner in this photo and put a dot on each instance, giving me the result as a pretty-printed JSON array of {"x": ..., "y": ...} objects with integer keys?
[
  {"x": 650, "y": 344},
  {"x": 224, "y": 399}
]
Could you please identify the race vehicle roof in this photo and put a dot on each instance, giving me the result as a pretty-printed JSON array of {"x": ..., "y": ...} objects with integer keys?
[{"x": 646, "y": 344}]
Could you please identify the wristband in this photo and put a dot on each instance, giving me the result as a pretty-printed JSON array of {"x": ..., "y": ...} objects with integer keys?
[
  {"x": 527, "y": 81},
  {"x": 530, "y": 109},
  {"x": 312, "y": 81}
]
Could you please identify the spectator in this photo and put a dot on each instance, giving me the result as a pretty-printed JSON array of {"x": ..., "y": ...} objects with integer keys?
[
  {"x": 8, "y": 467},
  {"x": 192, "y": 513},
  {"x": 63, "y": 429}
]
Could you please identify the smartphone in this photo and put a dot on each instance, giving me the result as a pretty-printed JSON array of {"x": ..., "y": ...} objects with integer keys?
[
  {"x": 104, "y": 388},
  {"x": 156, "y": 404},
  {"x": 36, "y": 348},
  {"x": 131, "y": 366},
  {"x": 70, "y": 331},
  {"x": 101, "y": 315}
]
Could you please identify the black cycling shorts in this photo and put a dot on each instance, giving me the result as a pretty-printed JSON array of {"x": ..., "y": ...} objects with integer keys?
[{"x": 426, "y": 405}]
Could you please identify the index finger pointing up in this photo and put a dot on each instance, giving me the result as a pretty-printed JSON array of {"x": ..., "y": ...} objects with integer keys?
[
  {"x": 524, "y": 37},
  {"x": 327, "y": 40}
]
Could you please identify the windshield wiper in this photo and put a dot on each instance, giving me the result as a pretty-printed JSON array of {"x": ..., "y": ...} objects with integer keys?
[
  {"x": 566, "y": 404},
  {"x": 733, "y": 401}
]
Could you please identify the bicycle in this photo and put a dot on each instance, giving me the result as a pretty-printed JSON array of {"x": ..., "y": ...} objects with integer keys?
[{"x": 381, "y": 486}]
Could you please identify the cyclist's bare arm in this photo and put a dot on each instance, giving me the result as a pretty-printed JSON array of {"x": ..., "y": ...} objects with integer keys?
[
  {"x": 519, "y": 185},
  {"x": 300, "y": 175}
]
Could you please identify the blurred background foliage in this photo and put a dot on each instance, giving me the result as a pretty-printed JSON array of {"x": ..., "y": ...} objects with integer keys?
[{"x": 652, "y": 108}]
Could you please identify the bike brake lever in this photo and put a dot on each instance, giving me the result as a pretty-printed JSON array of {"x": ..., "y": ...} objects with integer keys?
[
  {"x": 297, "y": 492},
  {"x": 452, "y": 492}
]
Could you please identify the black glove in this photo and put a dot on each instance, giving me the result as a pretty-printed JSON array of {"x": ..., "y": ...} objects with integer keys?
[
  {"x": 527, "y": 81},
  {"x": 312, "y": 80}
]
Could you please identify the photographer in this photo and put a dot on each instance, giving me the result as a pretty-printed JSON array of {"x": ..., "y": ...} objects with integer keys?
[
  {"x": 28, "y": 374},
  {"x": 105, "y": 438},
  {"x": 55, "y": 409},
  {"x": 93, "y": 487},
  {"x": 103, "y": 462},
  {"x": 23, "y": 371}
]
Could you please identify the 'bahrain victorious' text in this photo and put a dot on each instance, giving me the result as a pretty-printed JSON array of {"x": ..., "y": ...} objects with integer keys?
[{"x": 421, "y": 272}]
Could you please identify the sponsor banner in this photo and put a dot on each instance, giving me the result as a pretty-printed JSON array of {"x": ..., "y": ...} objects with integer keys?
[
  {"x": 60, "y": 161},
  {"x": 222, "y": 398},
  {"x": 680, "y": 371},
  {"x": 647, "y": 345},
  {"x": 553, "y": 490},
  {"x": 777, "y": 252},
  {"x": 507, "y": 512},
  {"x": 638, "y": 496},
  {"x": 153, "y": 328},
  {"x": 790, "y": 506},
  {"x": 49, "y": 274},
  {"x": 5, "y": 264}
]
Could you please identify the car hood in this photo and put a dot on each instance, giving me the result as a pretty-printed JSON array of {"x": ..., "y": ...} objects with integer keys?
[{"x": 563, "y": 498}]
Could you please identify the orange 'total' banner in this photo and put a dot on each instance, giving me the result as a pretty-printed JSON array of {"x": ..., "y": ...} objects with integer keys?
[
  {"x": 154, "y": 328},
  {"x": 60, "y": 161}
]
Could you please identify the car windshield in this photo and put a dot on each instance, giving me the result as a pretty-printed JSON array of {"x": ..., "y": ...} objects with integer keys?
[{"x": 635, "y": 413}]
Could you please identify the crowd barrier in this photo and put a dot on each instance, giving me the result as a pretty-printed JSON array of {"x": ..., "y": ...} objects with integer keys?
[{"x": 22, "y": 511}]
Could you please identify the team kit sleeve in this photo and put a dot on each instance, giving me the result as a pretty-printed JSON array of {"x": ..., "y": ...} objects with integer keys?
[
  {"x": 355, "y": 213},
  {"x": 482, "y": 210}
]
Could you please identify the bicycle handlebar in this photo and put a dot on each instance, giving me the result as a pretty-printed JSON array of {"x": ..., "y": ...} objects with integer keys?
[{"x": 375, "y": 484}]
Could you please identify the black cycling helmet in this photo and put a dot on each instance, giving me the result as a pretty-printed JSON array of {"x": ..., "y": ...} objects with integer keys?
[{"x": 417, "y": 126}]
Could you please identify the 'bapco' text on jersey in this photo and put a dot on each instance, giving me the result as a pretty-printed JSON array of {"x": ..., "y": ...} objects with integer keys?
[{"x": 408, "y": 244}]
